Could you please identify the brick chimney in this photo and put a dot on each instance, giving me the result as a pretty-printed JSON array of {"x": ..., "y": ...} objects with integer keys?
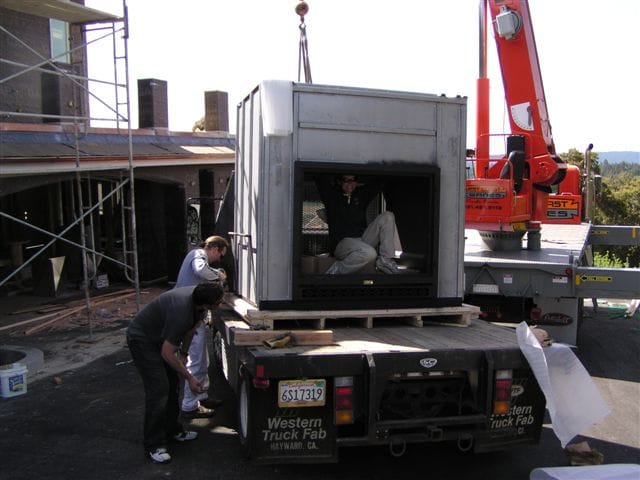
[
  {"x": 216, "y": 111},
  {"x": 153, "y": 108}
]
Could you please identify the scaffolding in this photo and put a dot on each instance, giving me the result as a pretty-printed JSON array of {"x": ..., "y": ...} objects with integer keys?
[{"x": 96, "y": 26}]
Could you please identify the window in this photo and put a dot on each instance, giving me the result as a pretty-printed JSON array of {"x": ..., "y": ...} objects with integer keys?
[
  {"x": 59, "y": 39},
  {"x": 411, "y": 192}
]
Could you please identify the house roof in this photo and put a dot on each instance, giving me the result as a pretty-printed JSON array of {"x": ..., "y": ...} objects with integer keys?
[
  {"x": 64, "y": 10},
  {"x": 37, "y": 149}
]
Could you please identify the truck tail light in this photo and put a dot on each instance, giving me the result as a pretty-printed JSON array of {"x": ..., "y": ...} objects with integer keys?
[
  {"x": 259, "y": 381},
  {"x": 343, "y": 400},
  {"x": 502, "y": 392}
]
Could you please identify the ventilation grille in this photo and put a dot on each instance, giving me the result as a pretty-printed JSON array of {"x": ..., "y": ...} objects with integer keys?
[
  {"x": 356, "y": 292},
  {"x": 426, "y": 399}
]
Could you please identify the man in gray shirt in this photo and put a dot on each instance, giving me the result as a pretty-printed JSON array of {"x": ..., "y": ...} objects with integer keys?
[
  {"x": 196, "y": 269},
  {"x": 158, "y": 338}
]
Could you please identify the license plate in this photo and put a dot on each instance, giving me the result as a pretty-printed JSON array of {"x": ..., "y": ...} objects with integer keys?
[{"x": 301, "y": 393}]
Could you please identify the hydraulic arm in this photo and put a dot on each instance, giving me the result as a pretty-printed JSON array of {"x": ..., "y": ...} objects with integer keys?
[{"x": 507, "y": 195}]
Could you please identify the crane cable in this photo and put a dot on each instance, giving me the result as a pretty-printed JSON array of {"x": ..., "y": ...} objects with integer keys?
[{"x": 303, "y": 53}]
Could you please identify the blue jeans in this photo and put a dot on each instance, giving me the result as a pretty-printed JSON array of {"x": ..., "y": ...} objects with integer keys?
[{"x": 161, "y": 393}]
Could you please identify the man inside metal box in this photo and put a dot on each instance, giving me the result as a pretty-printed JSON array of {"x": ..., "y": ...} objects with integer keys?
[{"x": 352, "y": 241}]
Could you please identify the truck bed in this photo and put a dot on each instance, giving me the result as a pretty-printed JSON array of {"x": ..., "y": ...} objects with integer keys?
[
  {"x": 407, "y": 384},
  {"x": 561, "y": 246},
  {"x": 392, "y": 337}
]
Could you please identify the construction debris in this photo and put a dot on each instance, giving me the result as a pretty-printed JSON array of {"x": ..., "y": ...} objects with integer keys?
[{"x": 104, "y": 309}]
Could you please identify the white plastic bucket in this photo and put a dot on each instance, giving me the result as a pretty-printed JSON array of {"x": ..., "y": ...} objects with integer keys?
[{"x": 13, "y": 380}]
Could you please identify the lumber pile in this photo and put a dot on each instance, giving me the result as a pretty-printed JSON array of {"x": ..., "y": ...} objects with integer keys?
[{"x": 55, "y": 313}]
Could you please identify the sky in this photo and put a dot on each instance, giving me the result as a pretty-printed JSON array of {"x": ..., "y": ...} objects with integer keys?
[{"x": 589, "y": 55}]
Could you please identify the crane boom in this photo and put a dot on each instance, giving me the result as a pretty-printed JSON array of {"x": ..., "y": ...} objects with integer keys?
[{"x": 508, "y": 194}]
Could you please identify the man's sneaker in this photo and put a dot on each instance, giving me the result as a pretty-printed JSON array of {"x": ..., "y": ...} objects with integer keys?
[
  {"x": 186, "y": 436},
  {"x": 160, "y": 455},
  {"x": 200, "y": 412},
  {"x": 211, "y": 402},
  {"x": 386, "y": 265},
  {"x": 333, "y": 269}
]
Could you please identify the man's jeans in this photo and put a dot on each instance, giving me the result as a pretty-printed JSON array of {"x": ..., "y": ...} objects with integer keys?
[{"x": 160, "y": 391}]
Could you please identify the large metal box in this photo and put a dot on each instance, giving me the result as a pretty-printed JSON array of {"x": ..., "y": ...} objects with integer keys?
[{"x": 341, "y": 126}]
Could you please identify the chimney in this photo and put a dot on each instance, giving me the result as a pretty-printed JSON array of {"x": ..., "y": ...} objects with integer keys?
[
  {"x": 216, "y": 111},
  {"x": 153, "y": 110}
]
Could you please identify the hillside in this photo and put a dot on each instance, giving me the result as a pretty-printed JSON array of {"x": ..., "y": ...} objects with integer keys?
[{"x": 617, "y": 157}]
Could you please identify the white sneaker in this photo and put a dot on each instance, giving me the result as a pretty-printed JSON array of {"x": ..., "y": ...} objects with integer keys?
[
  {"x": 386, "y": 265},
  {"x": 160, "y": 455},
  {"x": 186, "y": 436},
  {"x": 332, "y": 270}
]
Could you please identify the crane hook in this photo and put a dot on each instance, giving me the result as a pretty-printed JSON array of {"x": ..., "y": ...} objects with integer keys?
[{"x": 302, "y": 9}]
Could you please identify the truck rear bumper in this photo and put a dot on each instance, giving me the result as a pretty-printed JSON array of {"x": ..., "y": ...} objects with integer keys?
[{"x": 419, "y": 431}]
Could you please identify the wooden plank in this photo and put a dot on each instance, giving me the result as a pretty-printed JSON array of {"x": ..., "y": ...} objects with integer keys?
[
  {"x": 246, "y": 337},
  {"x": 57, "y": 317},
  {"x": 51, "y": 307},
  {"x": 68, "y": 313},
  {"x": 26, "y": 322},
  {"x": 32, "y": 309}
]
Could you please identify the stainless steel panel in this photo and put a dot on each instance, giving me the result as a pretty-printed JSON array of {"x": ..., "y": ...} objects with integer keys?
[{"x": 342, "y": 125}]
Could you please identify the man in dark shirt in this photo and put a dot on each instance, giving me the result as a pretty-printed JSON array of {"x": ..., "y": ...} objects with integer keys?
[
  {"x": 351, "y": 240},
  {"x": 157, "y": 337}
]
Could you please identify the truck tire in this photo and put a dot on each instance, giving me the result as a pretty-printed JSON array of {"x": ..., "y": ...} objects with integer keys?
[
  {"x": 220, "y": 355},
  {"x": 244, "y": 414}
]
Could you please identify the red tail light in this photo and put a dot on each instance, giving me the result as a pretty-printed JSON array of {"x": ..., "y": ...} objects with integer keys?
[
  {"x": 259, "y": 381},
  {"x": 503, "y": 389},
  {"x": 262, "y": 383},
  {"x": 343, "y": 400},
  {"x": 502, "y": 392}
]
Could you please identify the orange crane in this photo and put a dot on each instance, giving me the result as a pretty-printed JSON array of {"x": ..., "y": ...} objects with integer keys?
[{"x": 507, "y": 196}]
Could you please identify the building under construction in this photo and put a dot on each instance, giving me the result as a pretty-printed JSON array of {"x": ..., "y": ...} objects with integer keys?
[{"x": 85, "y": 199}]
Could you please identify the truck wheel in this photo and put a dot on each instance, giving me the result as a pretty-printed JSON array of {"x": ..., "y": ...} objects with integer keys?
[
  {"x": 244, "y": 415},
  {"x": 220, "y": 355}
]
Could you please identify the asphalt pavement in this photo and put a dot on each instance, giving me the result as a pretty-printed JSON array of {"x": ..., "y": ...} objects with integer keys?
[{"x": 81, "y": 418}]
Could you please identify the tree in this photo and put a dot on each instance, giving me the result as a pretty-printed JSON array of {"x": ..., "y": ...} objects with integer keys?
[
  {"x": 574, "y": 157},
  {"x": 617, "y": 204}
]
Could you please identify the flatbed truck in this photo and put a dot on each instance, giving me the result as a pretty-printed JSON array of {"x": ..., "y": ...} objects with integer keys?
[
  {"x": 319, "y": 361},
  {"x": 547, "y": 287},
  {"x": 392, "y": 384}
]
